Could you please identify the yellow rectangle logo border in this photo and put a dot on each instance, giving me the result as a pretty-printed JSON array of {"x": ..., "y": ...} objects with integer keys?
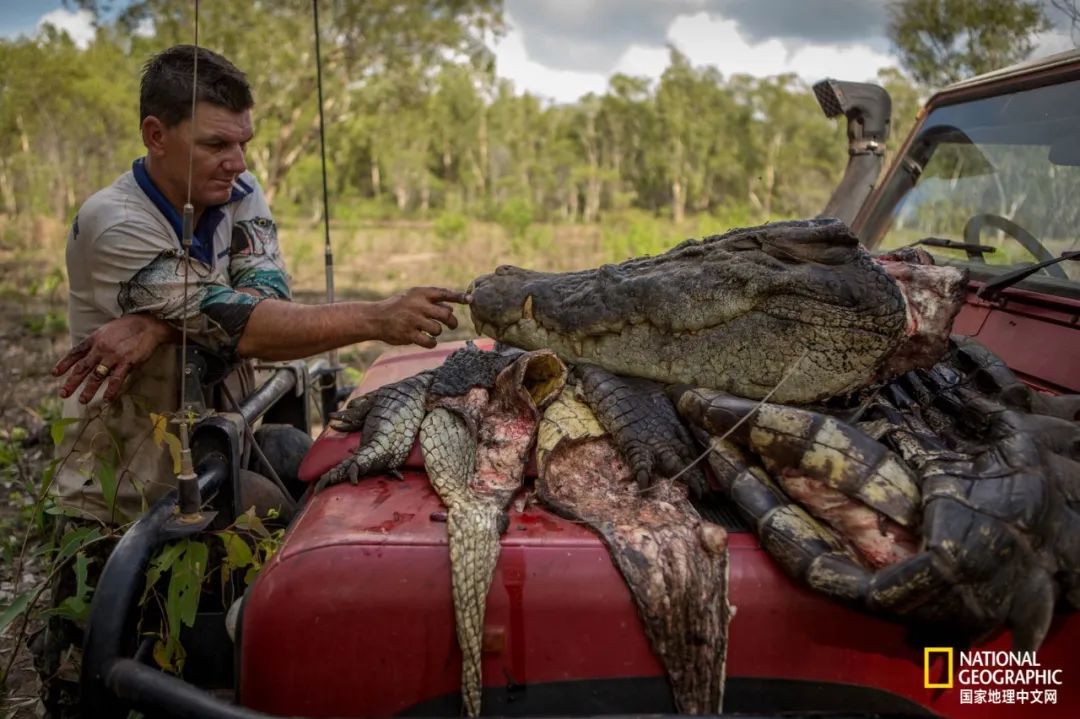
[{"x": 928, "y": 652}]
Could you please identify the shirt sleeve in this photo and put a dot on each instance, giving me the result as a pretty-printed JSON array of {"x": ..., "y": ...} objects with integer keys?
[
  {"x": 255, "y": 261},
  {"x": 144, "y": 272}
]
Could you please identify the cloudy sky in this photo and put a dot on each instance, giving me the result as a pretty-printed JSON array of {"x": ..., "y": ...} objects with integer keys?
[{"x": 562, "y": 49}]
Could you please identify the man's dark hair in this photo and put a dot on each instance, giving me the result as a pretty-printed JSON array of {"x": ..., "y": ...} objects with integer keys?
[{"x": 165, "y": 92}]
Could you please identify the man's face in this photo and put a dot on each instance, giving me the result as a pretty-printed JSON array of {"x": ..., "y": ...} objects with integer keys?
[{"x": 219, "y": 139}]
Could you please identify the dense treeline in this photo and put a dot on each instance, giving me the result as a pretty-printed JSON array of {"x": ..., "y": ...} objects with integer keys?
[{"x": 418, "y": 122}]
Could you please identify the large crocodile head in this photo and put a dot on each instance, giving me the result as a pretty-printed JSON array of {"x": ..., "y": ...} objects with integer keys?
[{"x": 797, "y": 304}]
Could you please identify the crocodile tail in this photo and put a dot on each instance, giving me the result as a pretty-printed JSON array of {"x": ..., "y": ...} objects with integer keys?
[
  {"x": 473, "y": 530},
  {"x": 449, "y": 448}
]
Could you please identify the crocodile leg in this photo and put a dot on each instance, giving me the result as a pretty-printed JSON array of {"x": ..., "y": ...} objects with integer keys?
[
  {"x": 389, "y": 418},
  {"x": 995, "y": 486},
  {"x": 806, "y": 549},
  {"x": 644, "y": 425},
  {"x": 674, "y": 563},
  {"x": 816, "y": 456}
]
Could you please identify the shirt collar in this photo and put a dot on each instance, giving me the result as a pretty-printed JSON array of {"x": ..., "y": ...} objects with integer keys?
[{"x": 202, "y": 244}]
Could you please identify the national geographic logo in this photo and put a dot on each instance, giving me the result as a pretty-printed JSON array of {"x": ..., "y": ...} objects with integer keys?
[
  {"x": 988, "y": 677},
  {"x": 928, "y": 657}
]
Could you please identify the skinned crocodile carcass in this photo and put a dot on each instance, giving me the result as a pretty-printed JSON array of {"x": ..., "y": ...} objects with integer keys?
[
  {"x": 673, "y": 561},
  {"x": 800, "y": 301}
]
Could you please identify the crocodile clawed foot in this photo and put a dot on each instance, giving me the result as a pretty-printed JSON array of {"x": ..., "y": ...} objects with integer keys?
[
  {"x": 351, "y": 419},
  {"x": 329, "y": 478},
  {"x": 348, "y": 469},
  {"x": 388, "y": 419},
  {"x": 644, "y": 426}
]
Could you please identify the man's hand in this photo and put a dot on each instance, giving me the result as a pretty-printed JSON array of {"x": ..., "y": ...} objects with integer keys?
[
  {"x": 280, "y": 330},
  {"x": 417, "y": 316},
  {"x": 118, "y": 346}
]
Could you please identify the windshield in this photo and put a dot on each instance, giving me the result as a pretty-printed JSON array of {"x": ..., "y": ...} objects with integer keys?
[{"x": 1000, "y": 175}]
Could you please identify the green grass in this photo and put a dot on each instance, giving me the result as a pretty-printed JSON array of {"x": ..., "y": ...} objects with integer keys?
[
  {"x": 380, "y": 258},
  {"x": 376, "y": 257}
]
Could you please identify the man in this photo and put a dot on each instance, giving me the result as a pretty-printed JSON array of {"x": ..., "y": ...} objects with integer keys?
[
  {"x": 128, "y": 300},
  {"x": 132, "y": 289}
]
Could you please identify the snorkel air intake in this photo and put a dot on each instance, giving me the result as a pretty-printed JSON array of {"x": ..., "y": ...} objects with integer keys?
[{"x": 868, "y": 110}]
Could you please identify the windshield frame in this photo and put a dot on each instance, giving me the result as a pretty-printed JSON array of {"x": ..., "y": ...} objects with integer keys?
[{"x": 875, "y": 216}]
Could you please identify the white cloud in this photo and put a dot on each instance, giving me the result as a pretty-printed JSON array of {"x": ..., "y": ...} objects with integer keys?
[
  {"x": 145, "y": 27},
  {"x": 512, "y": 62},
  {"x": 78, "y": 24},
  {"x": 706, "y": 40},
  {"x": 643, "y": 60},
  {"x": 716, "y": 41}
]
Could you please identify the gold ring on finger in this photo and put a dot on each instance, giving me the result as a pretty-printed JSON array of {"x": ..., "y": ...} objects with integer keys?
[{"x": 102, "y": 371}]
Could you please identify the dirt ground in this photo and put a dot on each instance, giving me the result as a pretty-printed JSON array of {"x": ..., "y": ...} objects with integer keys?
[{"x": 30, "y": 343}]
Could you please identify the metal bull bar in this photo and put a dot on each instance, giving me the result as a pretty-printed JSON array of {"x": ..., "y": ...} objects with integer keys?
[{"x": 112, "y": 682}]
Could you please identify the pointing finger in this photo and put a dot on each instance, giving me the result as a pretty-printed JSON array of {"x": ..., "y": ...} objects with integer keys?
[{"x": 441, "y": 294}]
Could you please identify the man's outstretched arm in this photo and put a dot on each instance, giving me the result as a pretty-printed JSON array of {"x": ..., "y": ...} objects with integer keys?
[
  {"x": 275, "y": 330},
  {"x": 279, "y": 330}
]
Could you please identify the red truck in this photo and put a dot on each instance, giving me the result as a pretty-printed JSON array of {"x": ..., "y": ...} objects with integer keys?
[{"x": 353, "y": 615}]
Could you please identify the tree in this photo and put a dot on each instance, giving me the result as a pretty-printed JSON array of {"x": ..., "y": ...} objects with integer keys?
[
  {"x": 67, "y": 121},
  {"x": 456, "y": 110},
  {"x": 626, "y": 114},
  {"x": 362, "y": 41},
  {"x": 419, "y": 121},
  {"x": 683, "y": 99},
  {"x": 943, "y": 41}
]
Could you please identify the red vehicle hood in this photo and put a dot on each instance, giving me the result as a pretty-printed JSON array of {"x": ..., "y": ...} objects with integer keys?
[{"x": 358, "y": 599}]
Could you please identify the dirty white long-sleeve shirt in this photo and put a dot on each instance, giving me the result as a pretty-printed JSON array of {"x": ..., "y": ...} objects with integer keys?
[{"x": 124, "y": 256}]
